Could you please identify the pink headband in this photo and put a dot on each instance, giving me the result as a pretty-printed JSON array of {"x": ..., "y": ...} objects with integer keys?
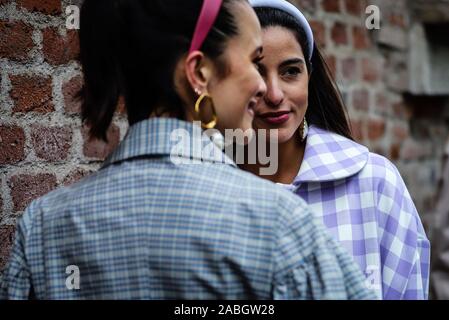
[{"x": 206, "y": 20}]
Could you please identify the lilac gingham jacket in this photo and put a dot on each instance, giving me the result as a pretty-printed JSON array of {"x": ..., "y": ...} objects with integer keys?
[{"x": 365, "y": 204}]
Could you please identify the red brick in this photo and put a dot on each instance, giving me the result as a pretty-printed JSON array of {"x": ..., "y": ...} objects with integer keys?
[
  {"x": 70, "y": 89},
  {"x": 371, "y": 70},
  {"x": 51, "y": 144},
  {"x": 397, "y": 19},
  {"x": 400, "y": 133},
  {"x": 353, "y": 7},
  {"x": 376, "y": 129},
  {"x": 52, "y": 7},
  {"x": 395, "y": 151},
  {"x": 339, "y": 34},
  {"x": 360, "y": 99},
  {"x": 15, "y": 40},
  {"x": 59, "y": 49},
  {"x": 31, "y": 93},
  {"x": 26, "y": 187},
  {"x": 361, "y": 40},
  {"x": 349, "y": 69},
  {"x": 319, "y": 32},
  {"x": 381, "y": 105},
  {"x": 402, "y": 111},
  {"x": 12, "y": 144},
  {"x": 331, "y": 5},
  {"x": 74, "y": 176},
  {"x": 305, "y": 5},
  {"x": 7, "y": 234},
  {"x": 97, "y": 149}
]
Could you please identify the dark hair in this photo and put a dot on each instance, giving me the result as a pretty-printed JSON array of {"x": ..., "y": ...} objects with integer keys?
[
  {"x": 130, "y": 48},
  {"x": 326, "y": 107}
]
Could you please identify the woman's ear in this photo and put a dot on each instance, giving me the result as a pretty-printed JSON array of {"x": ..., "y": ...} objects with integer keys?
[{"x": 198, "y": 72}]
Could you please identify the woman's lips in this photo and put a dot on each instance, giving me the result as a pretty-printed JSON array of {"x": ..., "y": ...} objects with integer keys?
[{"x": 275, "y": 118}]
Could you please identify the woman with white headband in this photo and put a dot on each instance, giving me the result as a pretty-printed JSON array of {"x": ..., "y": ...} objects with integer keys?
[{"x": 359, "y": 195}]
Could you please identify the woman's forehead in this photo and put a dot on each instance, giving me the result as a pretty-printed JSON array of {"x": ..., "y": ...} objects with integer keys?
[
  {"x": 249, "y": 37},
  {"x": 249, "y": 25},
  {"x": 281, "y": 41}
]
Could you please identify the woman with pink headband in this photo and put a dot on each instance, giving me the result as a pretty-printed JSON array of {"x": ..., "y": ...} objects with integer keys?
[
  {"x": 360, "y": 196},
  {"x": 158, "y": 220}
]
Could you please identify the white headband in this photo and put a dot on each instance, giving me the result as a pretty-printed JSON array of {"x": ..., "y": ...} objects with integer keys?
[{"x": 293, "y": 11}]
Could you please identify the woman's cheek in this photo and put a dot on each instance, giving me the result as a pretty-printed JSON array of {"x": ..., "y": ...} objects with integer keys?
[
  {"x": 301, "y": 96},
  {"x": 254, "y": 80}
]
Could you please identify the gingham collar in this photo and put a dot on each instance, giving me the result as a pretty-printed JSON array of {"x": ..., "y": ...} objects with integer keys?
[
  {"x": 168, "y": 137},
  {"x": 330, "y": 157}
]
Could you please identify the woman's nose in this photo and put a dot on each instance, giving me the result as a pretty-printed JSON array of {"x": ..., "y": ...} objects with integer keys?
[{"x": 274, "y": 95}]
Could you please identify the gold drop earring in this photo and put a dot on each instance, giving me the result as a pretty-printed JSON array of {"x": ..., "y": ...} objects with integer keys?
[{"x": 304, "y": 130}]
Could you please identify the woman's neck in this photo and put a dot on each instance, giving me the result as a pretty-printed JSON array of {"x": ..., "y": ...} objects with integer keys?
[{"x": 290, "y": 157}]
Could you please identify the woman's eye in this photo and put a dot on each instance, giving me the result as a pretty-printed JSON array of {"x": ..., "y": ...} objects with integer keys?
[{"x": 292, "y": 72}]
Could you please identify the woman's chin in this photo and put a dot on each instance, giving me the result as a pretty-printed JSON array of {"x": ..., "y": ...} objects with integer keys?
[
  {"x": 285, "y": 135},
  {"x": 280, "y": 135}
]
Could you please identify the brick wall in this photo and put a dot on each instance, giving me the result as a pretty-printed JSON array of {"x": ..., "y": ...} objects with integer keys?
[{"x": 43, "y": 144}]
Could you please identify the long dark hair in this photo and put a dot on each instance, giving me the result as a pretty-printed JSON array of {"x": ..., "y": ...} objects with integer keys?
[
  {"x": 326, "y": 107},
  {"x": 130, "y": 48}
]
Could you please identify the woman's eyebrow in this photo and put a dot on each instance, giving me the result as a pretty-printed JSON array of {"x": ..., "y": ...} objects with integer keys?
[{"x": 291, "y": 61}]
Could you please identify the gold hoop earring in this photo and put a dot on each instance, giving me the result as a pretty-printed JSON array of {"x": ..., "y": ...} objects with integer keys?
[{"x": 211, "y": 124}]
